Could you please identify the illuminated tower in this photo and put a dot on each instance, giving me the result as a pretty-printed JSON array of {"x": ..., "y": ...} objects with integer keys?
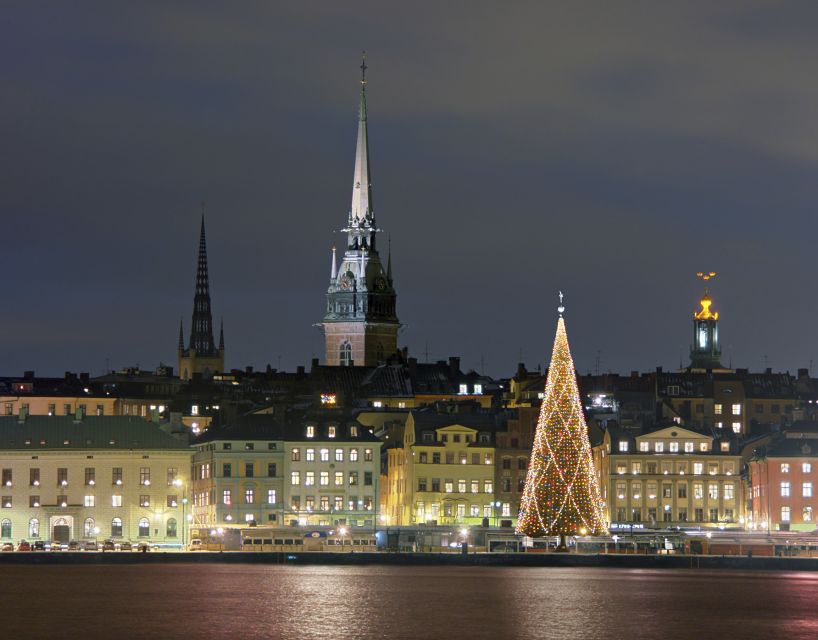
[
  {"x": 360, "y": 325},
  {"x": 705, "y": 352},
  {"x": 201, "y": 356}
]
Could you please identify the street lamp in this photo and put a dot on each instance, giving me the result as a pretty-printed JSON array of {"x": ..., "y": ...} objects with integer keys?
[
  {"x": 497, "y": 505},
  {"x": 341, "y": 533}
]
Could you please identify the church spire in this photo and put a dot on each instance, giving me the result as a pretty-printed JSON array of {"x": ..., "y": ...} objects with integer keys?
[
  {"x": 389, "y": 262},
  {"x": 221, "y": 336},
  {"x": 181, "y": 334},
  {"x": 201, "y": 330},
  {"x": 361, "y": 213}
]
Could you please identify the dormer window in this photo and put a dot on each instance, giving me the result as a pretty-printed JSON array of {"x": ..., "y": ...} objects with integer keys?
[
  {"x": 478, "y": 389},
  {"x": 353, "y": 431},
  {"x": 194, "y": 410},
  {"x": 427, "y": 437},
  {"x": 331, "y": 431},
  {"x": 623, "y": 446},
  {"x": 310, "y": 431},
  {"x": 464, "y": 389}
]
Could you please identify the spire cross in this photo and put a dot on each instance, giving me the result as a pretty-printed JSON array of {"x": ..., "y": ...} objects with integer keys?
[
  {"x": 363, "y": 67},
  {"x": 561, "y": 308}
]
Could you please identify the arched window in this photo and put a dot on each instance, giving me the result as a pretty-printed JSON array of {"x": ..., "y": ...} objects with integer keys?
[
  {"x": 171, "y": 530},
  {"x": 144, "y": 528},
  {"x": 346, "y": 354},
  {"x": 88, "y": 527},
  {"x": 5, "y": 528},
  {"x": 116, "y": 528},
  {"x": 34, "y": 528}
]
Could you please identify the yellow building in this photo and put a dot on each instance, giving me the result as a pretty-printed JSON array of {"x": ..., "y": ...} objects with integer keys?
[
  {"x": 442, "y": 472},
  {"x": 670, "y": 477}
]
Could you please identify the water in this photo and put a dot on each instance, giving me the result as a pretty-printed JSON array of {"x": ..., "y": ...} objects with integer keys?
[{"x": 334, "y": 602}]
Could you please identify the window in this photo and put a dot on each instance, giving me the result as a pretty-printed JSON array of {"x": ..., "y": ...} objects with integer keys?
[
  {"x": 227, "y": 470},
  {"x": 324, "y": 479},
  {"x": 353, "y": 431},
  {"x": 461, "y": 510},
  {"x": 464, "y": 389},
  {"x": 34, "y": 477},
  {"x": 116, "y": 528},
  {"x": 659, "y": 447},
  {"x": 785, "y": 514},
  {"x": 806, "y": 489},
  {"x": 644, "y": 446},
  {"x": 522, "y": 464},
  {"x": 421, "y": 484},
  {"x": 713, "y": 491},
  {"x": 475, "y": 486},
  {"x": 367, "y": 455},
  {"x": 475, "y": 458},
  {"x": 806, "y": 516},
  {"x": 623, "y": 446},
  {"x": 227, "y": 497},
  {"x": 736, "y": 427},
  {"x": 461, "y": 486},
  {"x": 339, "y": 478},
  {"x": 331, "y": 431},
  {"x": 295, "y": 478},
  {"x": 324, "y": 503},
  {"x": 436, "y": 484},
  {"x": 737, "y": 409},
  {"x": 806, "y": 467},
  {"x": 295, "y": 455},
  {"x": 309, "y": 479},
  {"x": 144, "y": 500},
  {"x": 698, "y": 467},
  {"x": 703, "y": 446},
  {"x": 116, "y": 501},
  {"x": 448, "y": 486},
  {"x": 785, "y": 489},
  {"x": 636, "y": 468},
  {"x": 249, "y": 446},
  {"x": 682, "y": 490},
  {"x": 62, "y": 476},
  {"x": 688, "y": 447},
  {"x": 171, "y": 502},
  {"x": 714, "y": 515},
  {"x": 353, "y": 455},
  {"x": 339, "y": 455},
  {"x": 667, "y": 490},
  {"x": 436, "y": 458},
  {"x": 145, "y": 476},
  {"x": 339, "y": 503},
  {"x": 249, "y": 496},
  {"x": 367, "y": 478},
  {"x": 506, "y": 463},
  {"x": 88, "y": 501},
  {"x": 249, "y": 470},
  {"x": 170, "y": 531},
  {"x": 719, "y": 425},
  {"x": 324, "y": 455},
  {"x": 423, "y": 457},
  {"x": 353, "y": 478},
  {"x": 725, "y": 447},
  {"x": 310, "y": 431},
  {"x": 345, "y": 354},
  {"x": 7, "y": 502},
  {"x": 227, "y": 446},
  {"x": 144, "y": 528},
  {"x": 674, "y": 447},
  {"x": 729, "y": 491},
  {"x": 310, "y": 455},
  {"x": 488, "y": 486},
  {"x": 87, "y": 528},
  {"x": 6, "y": 477},
  {"x": 698, "y": 490},
  {"x": 271, "y": 496},
  {"x": 717, "y": 409},
  {"x": 271, "y": 469},
  {"x": 34, "y": 501}
]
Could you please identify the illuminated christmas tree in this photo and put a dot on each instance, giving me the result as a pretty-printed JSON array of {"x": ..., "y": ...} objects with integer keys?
[{"x": 561, "y": 495}]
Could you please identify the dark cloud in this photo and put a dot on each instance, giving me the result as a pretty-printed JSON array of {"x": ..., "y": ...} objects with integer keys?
[{"x": 607, "y": 149}]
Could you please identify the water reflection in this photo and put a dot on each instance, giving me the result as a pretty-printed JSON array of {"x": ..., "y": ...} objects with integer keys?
[{"x": 253, "y": 601}]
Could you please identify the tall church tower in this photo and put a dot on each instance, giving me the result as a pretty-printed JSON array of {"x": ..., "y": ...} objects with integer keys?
[
  {"x": 360, "y": 325},
  {"x": 201, "y": 356},
  {"x": 705, "y": 352}
]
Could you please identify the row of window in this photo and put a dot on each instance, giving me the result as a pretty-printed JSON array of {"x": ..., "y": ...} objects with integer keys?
[
  {"x": 249, "y": 496},
  {"x": 651, "y": 468},
  {"x": 448, "y": 486},
  {"x": 461, "y": 458},
  {"x": 353, "y": 503},
  {"x": 459, "y": 510},
  {"x": 806, "y": 514},
  {"x": 806, "y": 467},
  {"x": 90, "y": 530},
  {"x": 7, "y": 477},
  {"x": 324, "y": 478},
  {"x": 673, "y": 447},
  {"x": 88, "y": 501},
  {"x": 667, "y": 515},
  {"x": 728, "y": 490},
  {"x": 52, "y": 409},
  {"x": 324, "y": 455},
  {"x": 806, "y": 489}
]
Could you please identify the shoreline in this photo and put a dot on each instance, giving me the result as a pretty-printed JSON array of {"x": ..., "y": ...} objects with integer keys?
[{"x": 627, "y": 561}]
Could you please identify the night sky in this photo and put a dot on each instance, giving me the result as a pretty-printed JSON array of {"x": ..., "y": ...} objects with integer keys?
[{"x": 610, "y": 150}]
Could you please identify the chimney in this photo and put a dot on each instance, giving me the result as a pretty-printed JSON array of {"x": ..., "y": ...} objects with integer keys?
[
  {"x": 314, "y": 363},
  {"x": 454, "y": 365},
  {"x": 521, "y": 371},
  {"x": 299, "y": 370}
]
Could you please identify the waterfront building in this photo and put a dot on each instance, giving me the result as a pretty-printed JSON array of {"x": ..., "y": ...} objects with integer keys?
[
  {"x": 360, "y": 324},
  {"x": 442, "y": 471},
  {"x": 783, "y": 480},
  {"x": 91, "y": 477},
  {"x": 266, "y": 470},
  {"x": 514, "y": 446},
  {"x": 670, "y": 477},
  {"x": 201, "y": 357}
]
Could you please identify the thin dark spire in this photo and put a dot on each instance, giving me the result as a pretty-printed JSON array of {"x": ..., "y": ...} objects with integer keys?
[
  {"x": 201, "y": 329},
  {"x": 221, "y": 336},
  {"x": 389, "y": 259},
  {"x": 181, "y": 334}
]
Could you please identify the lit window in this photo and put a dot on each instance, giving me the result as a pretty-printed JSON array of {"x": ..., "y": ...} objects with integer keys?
[
  {"x": 295, "y": 455},
  {"x": 737, "y": 409},
  {"x": 688, "y": 447},
  {"x": 488, "y": 486},
  {"x": 698, "y": 467},
  {"x": 725, "y": 446},
  {"x": 719, "y": 425},
  {"x": 644, "y": 446},
  {"x": 729, "y": 491},
  {"x": 324, "y": 478},
  {"x": 116, "y": 501},
  {"x": 659, "y": 447},
  {"x": 339, "y": 455},
  {"x": 448, "y": 486},
  {"x": 713, "y": 491},
  {"x": 623, "y": 446},
  {"x": 271, "y": 496},
  {"x": 331, "y": 431},
  {"x": 227, "y": 498},
  {"x": 144, "y": 500},
  {"x": 339, "y": 478},
  {"x": 717, "y": 409},
  {"x": 377, "y": 404},
  {"x": 464, "y": 389},
  {"x": 249, "y": 496},
  {"x": 353, "y": 455},
  {"x": 310, "y": 431},
  {"x": 324, "y": 455},
  {"x": 478, "y": 389},
  {"x": 295, "y": 478},
  {"x": 806, "y": 467},
  {"x": 806, "y": 489},
  {"x": 89, "y": 501},
  {"x": 194, "y": 410},
  {"x": 310, "y": 455},
  {"x": 807, "y": 514},
  {"x": 309, "y": 479},
  {"x": 475, "y": 486},
  {"x": 674, "y": 447},
  {"x": 785, "y": 514},
  {"x": 698, "y": 490},
  {"x": 785, "y": 467},
  {"x": 736, "y": 427},
  {"x": 785, "y": 489},
  {"x": 367, "y": 455}
]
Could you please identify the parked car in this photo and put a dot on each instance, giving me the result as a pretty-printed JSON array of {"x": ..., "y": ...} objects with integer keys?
[
  {"x": 73, "y": 546},
  {"x": 91, "y": 545},
  {"x": 108, "y": 545},
  {"x": 8, "y": 546},
  {"x": 125, "y": 546},
  {"x": 38, "y": 545},
  {"x": 25, "y": 545},
  {"x": 195, "y": 545},
  {"x": 56, "y": 546}
]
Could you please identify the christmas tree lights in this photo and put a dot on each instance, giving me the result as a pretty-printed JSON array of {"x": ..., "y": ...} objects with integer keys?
[{"x": 561, "y": 495}]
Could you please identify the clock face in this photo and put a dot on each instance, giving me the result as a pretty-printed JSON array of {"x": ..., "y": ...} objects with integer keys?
[
  {"x": 380, "y": 284},
  {"x": 346, "y": 282}
]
